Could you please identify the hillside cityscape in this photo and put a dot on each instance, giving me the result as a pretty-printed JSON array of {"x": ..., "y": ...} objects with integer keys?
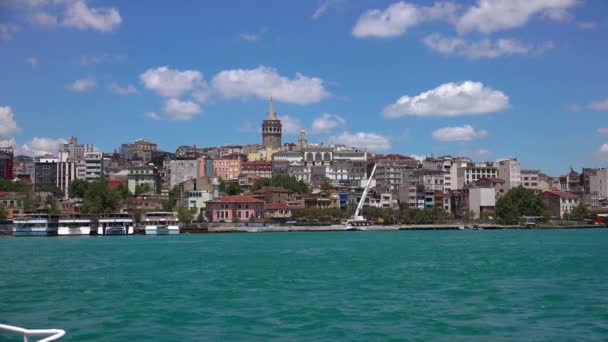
[{"x": 279, "y": 181}]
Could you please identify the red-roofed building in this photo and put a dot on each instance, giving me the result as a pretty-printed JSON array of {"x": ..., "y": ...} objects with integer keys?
[
  {"x": 234, "y": 208},
  {"x": 559, "y": 202},
  {"x": 259, "y": 168}
]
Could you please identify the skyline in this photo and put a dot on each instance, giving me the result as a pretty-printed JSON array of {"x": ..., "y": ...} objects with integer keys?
[{"x": 416, "y": 77}]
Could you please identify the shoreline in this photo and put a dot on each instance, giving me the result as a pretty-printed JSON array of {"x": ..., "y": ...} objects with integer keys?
[{"x": 340, "y": 228}]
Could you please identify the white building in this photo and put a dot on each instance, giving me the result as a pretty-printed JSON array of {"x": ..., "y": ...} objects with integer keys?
[
  {"x": 598, "y": 183},
  {"x": 316, "y": 164},
  {"x": 471, "y": 172},
  {"x": 181, "y": 170},
  {"x": 480, "y": 199},
  {"x": 509, "y": 170},
  {"x": 93, "y": 165}
]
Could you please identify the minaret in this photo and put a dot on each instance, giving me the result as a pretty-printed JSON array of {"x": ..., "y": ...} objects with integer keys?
[{"x": 271, "y": 128}]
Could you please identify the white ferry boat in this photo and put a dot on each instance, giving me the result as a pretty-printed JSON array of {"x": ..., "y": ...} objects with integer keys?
[
  {"x": 36, "y": 225},
  {"x": 161, "y": 223},
  {"x": 115, "y": 224},
  {"x": 69, "y": 226}
]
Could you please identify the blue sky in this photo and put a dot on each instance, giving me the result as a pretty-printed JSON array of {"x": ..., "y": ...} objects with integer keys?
[{"x": 502, "y": 78}]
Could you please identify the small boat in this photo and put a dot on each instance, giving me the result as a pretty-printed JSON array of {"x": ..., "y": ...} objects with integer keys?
[
  {"x": 115, "y": 224},
  {"x": 36, "y": 225},
  {"x": 161, "y": 223},
  {"x": 69, "y": 226}
]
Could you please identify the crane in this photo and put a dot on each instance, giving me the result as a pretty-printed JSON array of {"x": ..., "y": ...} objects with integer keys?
[{"x": 358, "y": 219}]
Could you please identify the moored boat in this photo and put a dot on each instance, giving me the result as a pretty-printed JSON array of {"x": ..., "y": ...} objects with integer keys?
[
  {"x": 36, "y": 225},
  {"x": 161, "y": 223},
  {"x": 115, "y": 224},
  {"x": 75, "y": 225}
]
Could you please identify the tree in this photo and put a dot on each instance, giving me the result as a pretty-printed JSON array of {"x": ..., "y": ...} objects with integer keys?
[
  {"x": 282, "y": 181},
  {"x": 142, "y": 188},
  {"x": 170, "y": 203},
  {"x": 99, "y": 198},
  {"x": 578, "y": 213},
  {"x": 123, "y": 192},
  {"x": 184, "y": 215},
  {"x": 326, "y": 186},
  {"x": 3, "y": 212},
  {"x": 518, "y": 202},
  {"x": 51, "y": 205},
  {"x": 10, "y": 186},
  {"x": 233, "y": 189},
  {"x": 137, "y": 213},
  {"x": 77, "y": 188},
  {"x": 222, "y": 186}
]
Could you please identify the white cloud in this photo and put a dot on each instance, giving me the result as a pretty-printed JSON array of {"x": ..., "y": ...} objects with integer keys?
[
  {"x": 482, "y": 153},
  {"x": 33, "y": 61},
  {"x": 604, "y": 148},
  {"x": 264, "y": 82},
  {"x": 171, "y": 82},
  {"x": 324, "y": 6},
  {"x": 290, "y": 125},
  {"x": 602, "y": 131},
  {"x": 40, "y": 146},
  {"x": 181, "y": 110},
  {"x": 327, "y": 122},
  {"x": 363, "y": 140},
  {"x": 253, "y": 36},
  {"x": 250, "y": 37},
  {"x": 106, "y": 57},
  {"x": 489, "y": 16},
  {"x": 459, "y": 133},
  {"x": 116, "y": 88},
  {"x": 600, "y": 105},
  {"x": 574, "y": 107},
  {"x": 8, "y": 126},
  {"x": 82, "y": 84},
  {"x": 9, "y": 142},
  {"x": 587, "y": 25},
  {"x": 153, "y": 116},
  {"x": 43, "y": 19},
  {"x": 450, "y": 99},
  {"x": 485, "y": 48},
  {"x": 397, "y": 18},
  {"x": 103, "y": 19},
  {"x": 7, "y": 30}
]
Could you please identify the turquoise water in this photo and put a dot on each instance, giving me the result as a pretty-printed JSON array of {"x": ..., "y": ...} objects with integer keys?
[{"x": 412, "y": 285}]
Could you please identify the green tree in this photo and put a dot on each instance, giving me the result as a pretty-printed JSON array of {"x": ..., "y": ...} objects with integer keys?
[
  {"x": 518, "y": 202},
  {"x": 578, "y": 213},
  {"x": 99, "y": 198},
  {"x": 123, "y": 192},
  {"x": 222, "y": 185},
  {"x": 142, "y": 188},
  {"x": 233, "y": 189},
  {"x": 51, "y": 205},
  {"x": 3, "y": 212},
  {"x": 326, "y": 186},
  {"x": 77, "y": 188},
  {"x": 10, "y": 186},
  {"x": 137, "y": 213},
  {"x": 184, "y": 215},
  {"x": 282, "y": 181}
]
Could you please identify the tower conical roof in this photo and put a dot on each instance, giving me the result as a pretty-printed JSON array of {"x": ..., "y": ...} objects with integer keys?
[{"x": 272, "y": 114}]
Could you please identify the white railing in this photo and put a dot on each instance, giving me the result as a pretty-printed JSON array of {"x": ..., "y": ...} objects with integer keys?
[{"x": 54, "y": 334}]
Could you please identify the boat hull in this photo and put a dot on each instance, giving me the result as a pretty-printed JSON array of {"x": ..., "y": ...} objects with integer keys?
[
  {"x": 154, "y": 230},
  {"x": 34, "y": 232},
  {"x": 65, "y": 231}
]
